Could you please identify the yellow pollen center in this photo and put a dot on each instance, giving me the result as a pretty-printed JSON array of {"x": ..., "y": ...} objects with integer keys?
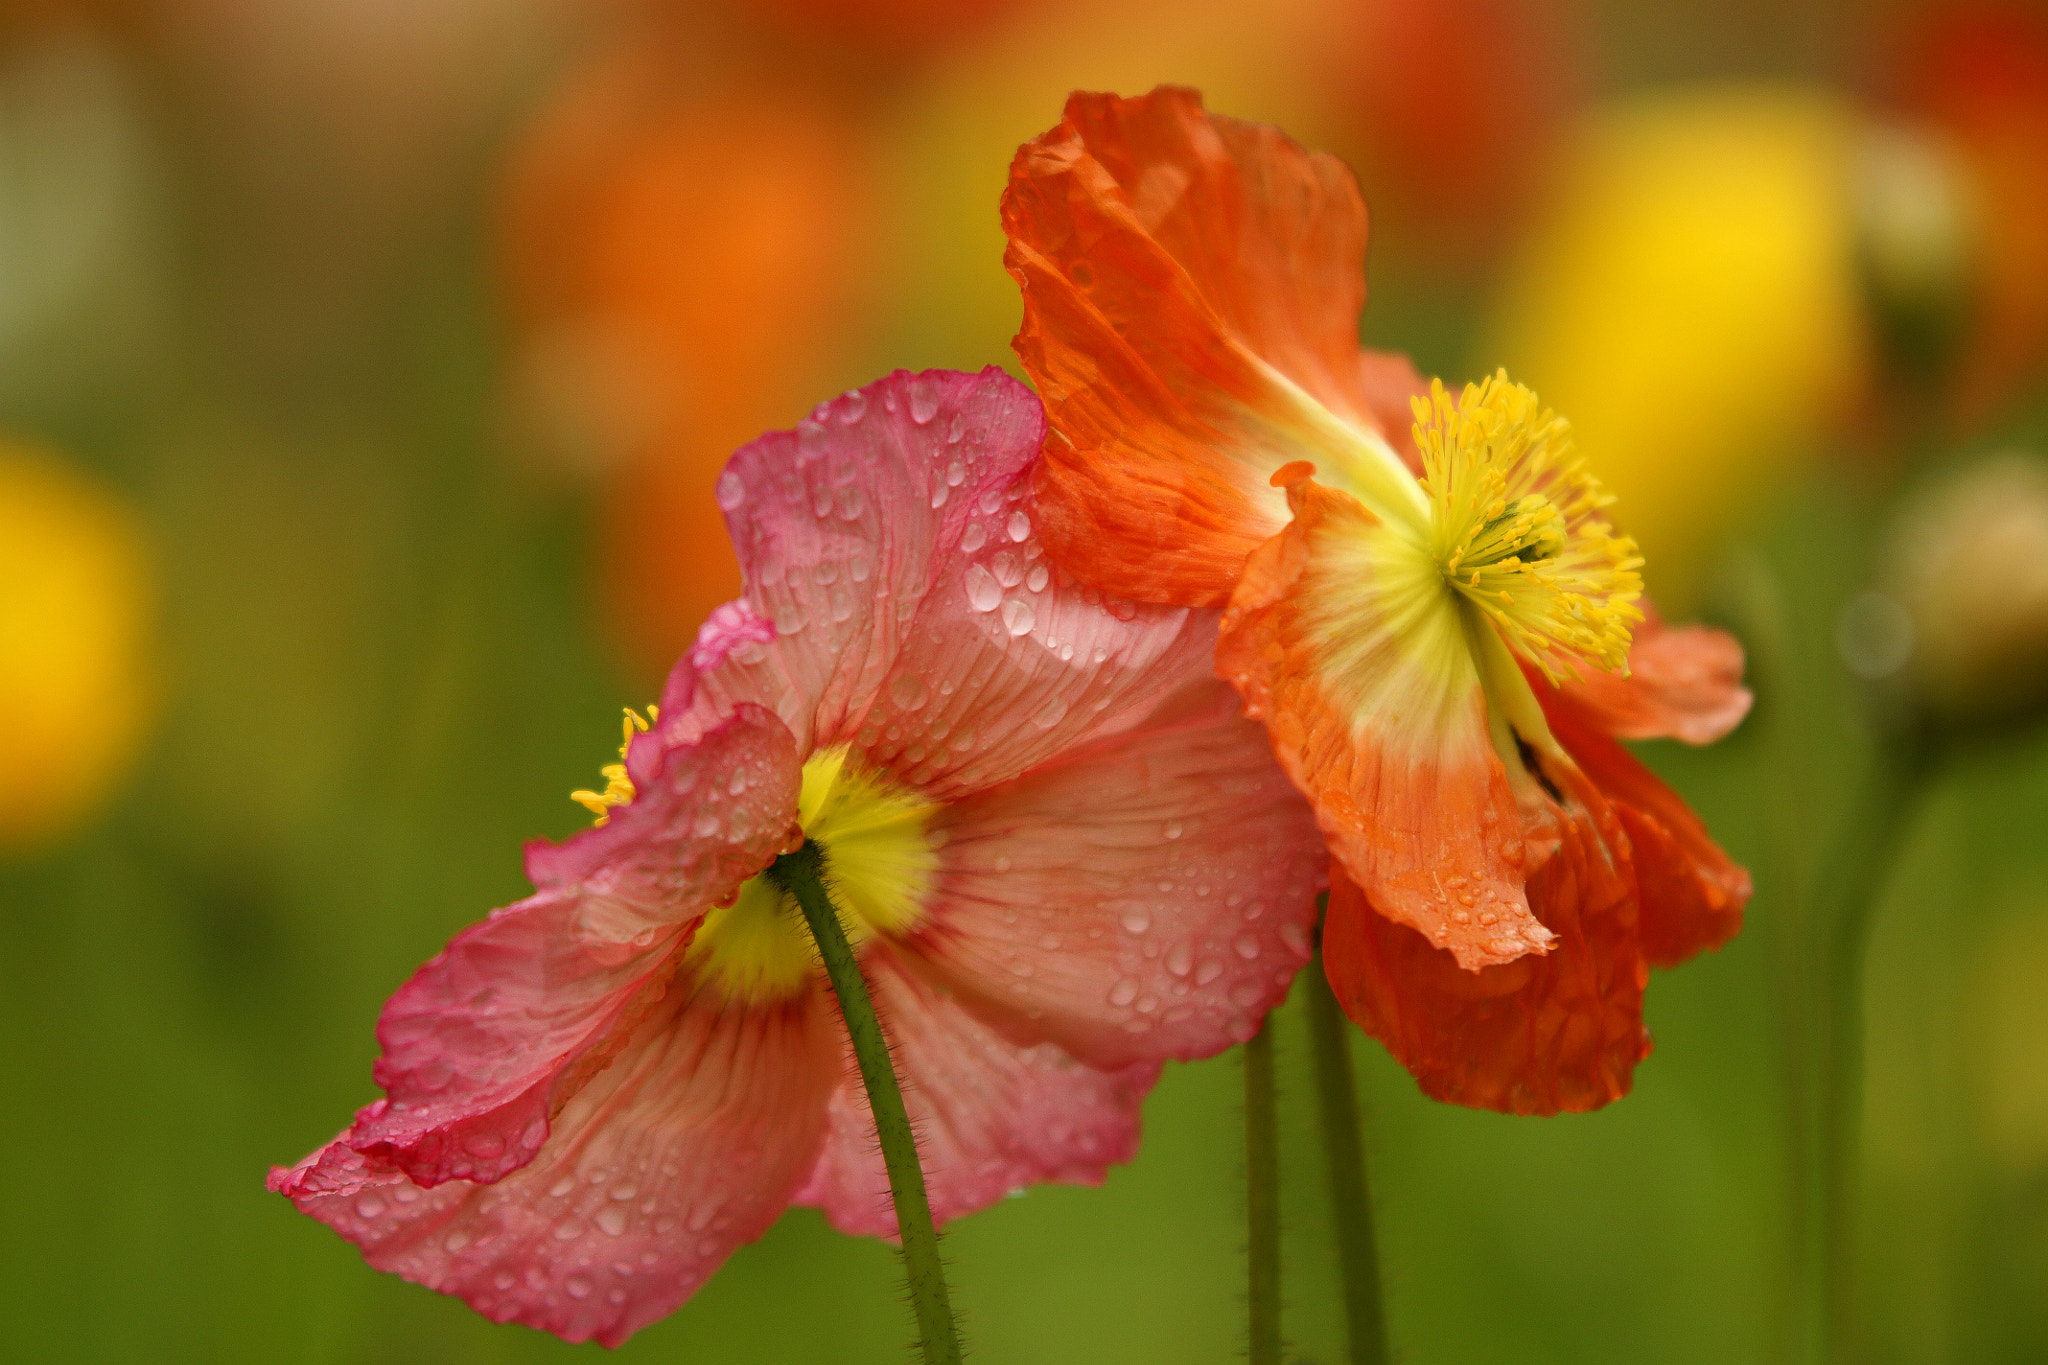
[
  {"x": 1517, "y": 531},
  {"x": 880, "y": 866}
]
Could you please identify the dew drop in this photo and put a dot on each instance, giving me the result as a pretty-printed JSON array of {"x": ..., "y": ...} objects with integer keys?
[
  {"x": 1019, "y": 527},
  {"x": 973, "y": 537},
  {"x": 1054, "y": 711},
  {"x": 578, "y": 1286},
  {"x": 1035, "y": 580},
  {"x": 991, "y": 498},
  {"x": 853, "y": 406},
  {"x": 908, "y": 690},
  {"x": 940, "y": 492},
  {"x": 613, "y": 1221},
  {"x": 1172, "y": 830},
  {"x": 924, "y": 399},
  {"x": 1018, "y": 617},
  {"x": 983, "y": 592},
  {"x": 370, "y": 1205},
  {"x": 1137, "y": 920},
  {"x": 731, "y": 492},
  {"x": 1247, "y": 946},
  {"x": 1180, "y": 957},
  {"x": 956, "y": 472},
  {"x": 1008, "y": 570},
  {"x": 1123, "y": 993},
  {"x": 1208, "y": 972}
]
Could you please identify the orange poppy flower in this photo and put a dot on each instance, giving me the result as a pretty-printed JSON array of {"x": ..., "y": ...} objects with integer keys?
[{"x": 1427, "y": 605}]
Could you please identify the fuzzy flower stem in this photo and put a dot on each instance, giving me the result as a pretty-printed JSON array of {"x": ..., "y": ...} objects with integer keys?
[
  {"x": 1358, "y": 1256},
  {"x": 1842, "y": 908},
  {"x": 1262, "y": 1197},
  {"x": 802, "y": 875}
]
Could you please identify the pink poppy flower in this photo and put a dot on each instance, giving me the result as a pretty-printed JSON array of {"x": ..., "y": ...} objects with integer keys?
[{"x": 1062, "y": 853}]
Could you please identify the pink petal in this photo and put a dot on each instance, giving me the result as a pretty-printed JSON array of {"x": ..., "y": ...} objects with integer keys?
[
  {"x": 495, "y": 1033},
  {"x": 688, "y": 1147},
  {"x": 897, "y": 596},
  {"x": 991, "y": 1117},
  {"x": 1149, "y": 897}
]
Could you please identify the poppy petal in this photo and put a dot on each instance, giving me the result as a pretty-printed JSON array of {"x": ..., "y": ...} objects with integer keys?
[
  {"x": 1376, "y": 710},
  {"x": 1692, "y": 894},
  {"x": 990, "y": 1116},
  {"x": 1192, "y": 286},
  {"x": 1542, "y": 1035},
  {"x": 1684, "y": 682},
  {"x": 687, "y": 1147},
  {"x": 1164, "y": 924},
  {"x": 898, "y": 598},
  {"x": 491, "y": 1036}
]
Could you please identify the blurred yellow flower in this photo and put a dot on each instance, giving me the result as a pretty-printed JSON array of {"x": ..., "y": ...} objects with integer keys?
[
  {"x": 77, "y": 658},
  {"x": 1689, "y": 295}
]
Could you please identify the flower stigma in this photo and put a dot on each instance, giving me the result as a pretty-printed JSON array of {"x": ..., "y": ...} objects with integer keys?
[
  {"x": 1517, "y": 529},
  {"x": 881, "y": 865}
]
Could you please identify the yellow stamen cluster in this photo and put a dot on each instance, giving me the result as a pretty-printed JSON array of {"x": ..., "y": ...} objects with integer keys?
[
  {"x": 1516, "y": 527},
  {"x": 618, "y": 788}
]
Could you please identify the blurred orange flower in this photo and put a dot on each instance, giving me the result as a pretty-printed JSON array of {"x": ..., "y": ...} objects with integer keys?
[{"x": 681, "y": 266}]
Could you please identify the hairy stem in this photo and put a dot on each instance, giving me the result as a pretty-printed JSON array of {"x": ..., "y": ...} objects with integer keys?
[
  {"x": 1262, "y": 1197},
  {"x": 1358, "y": 1256},
  {"x": 802, "y": 874}
]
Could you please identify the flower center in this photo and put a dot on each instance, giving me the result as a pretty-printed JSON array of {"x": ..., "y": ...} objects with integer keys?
[
  {"x": 880, "y": 866},
  {"x": 1516, "y": 528}
]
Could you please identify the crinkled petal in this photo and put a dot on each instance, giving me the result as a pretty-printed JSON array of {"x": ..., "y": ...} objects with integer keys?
[
  {"x": 1541, "y": 1035},
  {"x": 1684, "y": 682},
  {"x": 686, "y": 1148},
  {"x": 1192, "y": 286},
  {"x": 1692, "y": 894},
  {"x": 493, "y": 1035},
  {"x": 1381, "y": 720},
  {"x": 991, "y": 1117},
  {"x": 898, "y": 598},
  {"x": 1149, "y": 897}
]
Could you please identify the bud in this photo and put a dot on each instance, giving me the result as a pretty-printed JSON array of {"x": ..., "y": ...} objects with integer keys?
[
  {"x": 1968, "y": 568},
  {"x": 1914, "y": 234}
]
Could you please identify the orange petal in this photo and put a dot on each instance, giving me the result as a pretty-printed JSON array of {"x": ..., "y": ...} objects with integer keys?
[
  {"x": 1192, "y": 286},
  {"x": 1692, "y": 894},
  {"x": 1383, "y": 725},
  {"x": 1541, "y": 1035},
  {"x": 1684, "y": 682}
]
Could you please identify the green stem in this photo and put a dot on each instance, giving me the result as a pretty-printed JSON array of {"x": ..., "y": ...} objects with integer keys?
[
  {"x": 1262, "y": 1197},
  {"x": 1358, "y": 1256},
  {"x": 1842, "y": 907},
  {"x": 802, "y": 875}
]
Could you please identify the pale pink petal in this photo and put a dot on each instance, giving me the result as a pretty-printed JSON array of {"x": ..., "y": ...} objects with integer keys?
[
  {"x": 1684, "y": 682},
  {"x": 1148, "y": 897},
  {"x": 991, "y": 1117},
  {"x": 897, "y": 596},
  {"x": 490, "y": 1037},
  {"x": 688, "y": 1146}
]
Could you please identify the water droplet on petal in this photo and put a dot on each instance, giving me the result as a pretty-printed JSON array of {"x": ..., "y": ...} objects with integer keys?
[
  {"x": 924, "y": 399},
  {"x": 370, "y": 1205},
  {"x": 613, "y": 1221},
  {"x": 731, "y": 492},
  {"x": 1247, "y": 946},
  {"x": 1123, "y": 993},
  {"x": 1019, "y": 526},
  {"x": 1208, "y": 972},
  {"x": 1018, "y": 617},
  {"x": 1035, "y": 580},
  {"x": 973, "y": 537},
  {"x": 578, "y": 1286},
  {"x": 908, "y": 690},
  {"x": 983, "y": 592},
  {"x": 1180, "y": 957},
  {"x": 1137, "y": 919},
  {"x": 853, "y": 406}
]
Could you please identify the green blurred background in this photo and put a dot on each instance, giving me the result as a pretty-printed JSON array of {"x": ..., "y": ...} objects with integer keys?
[{"x": 364, "y": 368}]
